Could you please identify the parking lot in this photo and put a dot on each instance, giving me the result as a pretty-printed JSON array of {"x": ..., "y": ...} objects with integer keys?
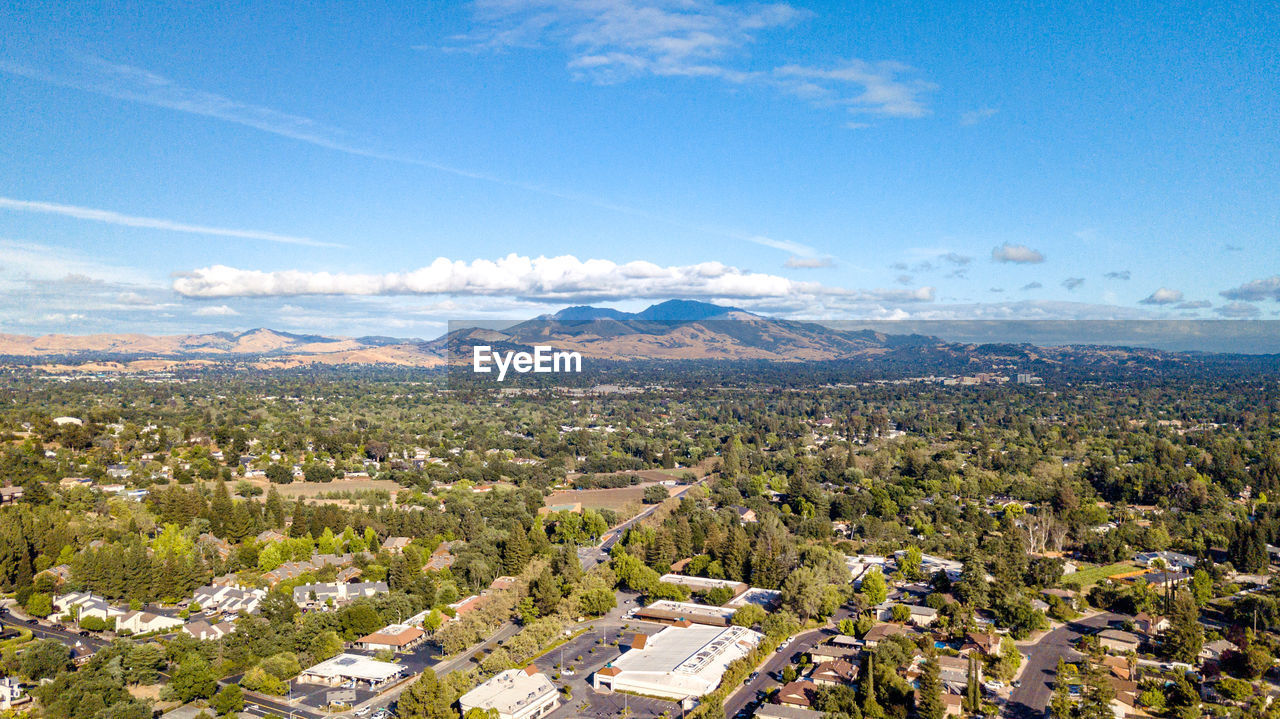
[{"x": 585, "y": 701}]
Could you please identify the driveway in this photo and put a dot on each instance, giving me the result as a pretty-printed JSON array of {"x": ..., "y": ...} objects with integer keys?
[{"x": 1029, "y": 700}]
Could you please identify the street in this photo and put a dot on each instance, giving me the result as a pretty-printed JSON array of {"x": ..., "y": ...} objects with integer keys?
[{"x": 1029, "y": 700}]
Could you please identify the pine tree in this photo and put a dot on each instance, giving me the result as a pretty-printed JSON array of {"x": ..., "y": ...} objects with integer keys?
[
  {"x": 220, "y": 509},
  {"x": 929, "y": 696},
  {"x": 275, "y": 508},
  {"x": 871, "y": 708},
  {"x": 515, "y": 550}
]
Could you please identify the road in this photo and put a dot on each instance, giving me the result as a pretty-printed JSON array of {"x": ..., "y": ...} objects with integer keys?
[
  {"x": 1029, "y": 700},
  {"x": 803, "y": 642}
]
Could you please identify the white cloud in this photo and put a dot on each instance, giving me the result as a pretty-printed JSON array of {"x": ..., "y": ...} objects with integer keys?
[
  {"x": 215, "y": 311},
  {"x": 1267, "y": 288},
  {"x": 611, "y": 41},
  {"x": 973, "y": 117},
  {"x": 1020, "y": 254},
  {"x": 115, "y": 218},
  {"x": 547, "y": 278},
  {"x": 1162, "y": 296}
]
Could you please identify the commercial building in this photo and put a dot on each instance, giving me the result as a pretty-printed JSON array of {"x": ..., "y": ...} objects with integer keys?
[
  {"x": 665, "y": 611},
  {"x": 346, "y": 668},
  {"x": 677, "y": 662},
  {"x": 393, "y": 637},
  {"x": 705, "y": 584},
  {"x": 514, "y": 694}
]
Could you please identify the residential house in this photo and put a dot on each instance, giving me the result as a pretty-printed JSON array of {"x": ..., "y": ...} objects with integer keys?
[
  {"x": 271, "y": 536},
  {"x": 778, "y": 711},
  {"x": 881, "y": 632},
  {"x": 920, "y": 616},
  {"x": 396, "y": 545},
  {"x": 215, "y": 545},
  {"x": 1172, "y": 560},
  {"x": 797, "y": 694},
  {"x": 441, "y": 558},
  {"x": 228, "y": 600},
  {"x": 954, "y": 672},
  {"x": 985, "y": 643},
  {"x": 746, "y": 515},
  {"x": 1214, "y": 650},
  {"x": 837, "y": 672},
  {"x": 59, "y": 574},
  {"x": 10, "y": 495},
  {"x": 12, "y": 693},
  {"x": 1118, "y": 641},
  {"x": 82, "y": 605},
  {"x": 829, "y": 652},
  {"x": 146, "y": 623},
  {"x": 1150, "y": 625},
  {"x": 209, "y": 632},
  {"x": 334, "y": 594}
]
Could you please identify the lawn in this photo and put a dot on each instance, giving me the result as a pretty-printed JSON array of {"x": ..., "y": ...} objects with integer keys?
[{"x": 1086, "y": 578}]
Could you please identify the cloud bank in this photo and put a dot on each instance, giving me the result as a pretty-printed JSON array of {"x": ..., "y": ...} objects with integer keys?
[
  {"x": 544, "y": 278},
  {"x": 1267, "y": 288}
]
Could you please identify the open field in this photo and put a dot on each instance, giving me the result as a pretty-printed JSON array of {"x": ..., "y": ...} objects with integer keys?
[
  {"x": 1086, "y": 578},
  {"x": 643, "y": 475},
  {"x": 625, "y": 501}
]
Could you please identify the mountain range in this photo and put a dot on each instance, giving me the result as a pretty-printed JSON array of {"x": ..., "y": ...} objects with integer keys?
[{"x": 672, "y": 330}]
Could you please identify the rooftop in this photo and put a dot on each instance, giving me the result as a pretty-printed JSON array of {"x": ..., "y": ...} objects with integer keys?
[{"x": 509, "y": 691}]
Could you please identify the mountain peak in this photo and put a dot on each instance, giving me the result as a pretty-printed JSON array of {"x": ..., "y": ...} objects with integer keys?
[{"x": 683, "y": 311}]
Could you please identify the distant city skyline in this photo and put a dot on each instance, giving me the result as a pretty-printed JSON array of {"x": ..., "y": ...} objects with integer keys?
[{"x": 383, "y": 170}]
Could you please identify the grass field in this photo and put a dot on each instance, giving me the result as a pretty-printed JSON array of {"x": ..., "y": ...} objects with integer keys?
[{"x": 1086, "y": 578}]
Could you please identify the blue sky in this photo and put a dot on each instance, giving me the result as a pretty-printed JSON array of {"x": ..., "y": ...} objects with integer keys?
[{"x": 382, "y": 170}]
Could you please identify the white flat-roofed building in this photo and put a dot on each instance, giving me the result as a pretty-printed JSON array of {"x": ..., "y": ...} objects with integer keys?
[
  {"x": 514, "y": 694},
  {"x": 677, "y": 662},
  {"x": 769, "y": 599},
  {"x": 705, "y": 584},
  {"x": 352, "y": 668},
  {"x": 666, "y": 611}
]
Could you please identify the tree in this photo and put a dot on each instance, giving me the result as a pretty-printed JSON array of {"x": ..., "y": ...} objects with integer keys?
[
  {"x": 929, "y": 696},
  {"x": 44, "y": 659},
  {"x": 228, "y": 699},
  {"x": 655, "y": 494},
  {"x": 871, "y": 708},
  {"x": 749, "y": 615},
  {"x": 1060, "y": 704},
  {"x": 1201, "y": 587},
  {"x": 597, "y": 601},
  {"x": 426, "y": 699},
  {"x": 910, "y": 562},
  {"x": 39, "y": 605},
  {"x": 1184, "y": 638},
  {"x": 972, "y": 692},
  {"x": 279, "y": 474},
  {"x": 193, "y": 679},
  {"x": 874, "y": 587}
]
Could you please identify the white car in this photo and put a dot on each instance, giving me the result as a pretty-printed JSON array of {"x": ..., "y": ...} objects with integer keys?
[{"x": 365, "y": 710}]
